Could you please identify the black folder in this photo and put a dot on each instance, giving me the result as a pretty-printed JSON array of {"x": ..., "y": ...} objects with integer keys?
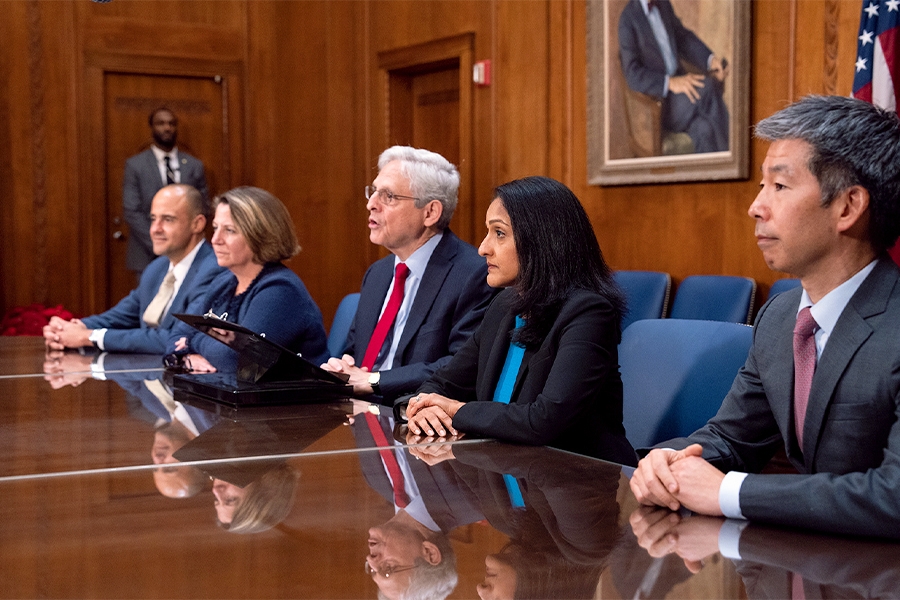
[{"x": 268, "y": 374}]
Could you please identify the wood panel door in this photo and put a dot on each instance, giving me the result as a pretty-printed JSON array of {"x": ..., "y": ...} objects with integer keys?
[
  {"x": 430, "y": 106},
  {"x": 201, "y": 107}
]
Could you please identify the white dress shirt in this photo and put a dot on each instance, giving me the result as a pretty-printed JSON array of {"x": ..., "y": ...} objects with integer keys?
[
  {"x": 417, "y": 263},
  {"x": 161, "y": 163}
]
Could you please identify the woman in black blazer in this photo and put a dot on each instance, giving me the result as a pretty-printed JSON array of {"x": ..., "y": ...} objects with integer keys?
[{"x": 543, "y": 366}]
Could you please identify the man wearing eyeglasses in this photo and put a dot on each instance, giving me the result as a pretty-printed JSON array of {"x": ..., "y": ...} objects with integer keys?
[{"x": 418, "y": 306}]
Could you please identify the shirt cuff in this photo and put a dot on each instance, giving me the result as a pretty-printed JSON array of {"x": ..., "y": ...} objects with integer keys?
[
  {"x": 97, "y": 369},
  {"x": 730, "y": 538},
  {"x": 665, "y": 90},
  {"x": 97, "y": 336},
  {"x": 730, "y": 494}
]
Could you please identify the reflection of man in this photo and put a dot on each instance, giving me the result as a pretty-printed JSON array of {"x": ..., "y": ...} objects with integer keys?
[
  {"x": 399, "y": 338},
  {"x": 142, "y": 321},
  {"x": 410, "y": 555},
  {"x": 776, "y": 563},
  {"x": 822, "y": 379},
  {"x": 652, "y": 44},
  {"x": 145, "y": 174}
]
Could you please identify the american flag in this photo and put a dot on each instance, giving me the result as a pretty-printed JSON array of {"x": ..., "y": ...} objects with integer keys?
[
  {"x": 877, "y": 78},
  {"x": 878, "y": 54}
]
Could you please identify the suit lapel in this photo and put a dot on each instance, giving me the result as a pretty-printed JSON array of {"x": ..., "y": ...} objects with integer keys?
[
  {"x": 850, "y": 332},
  {"x": 497, "y": 355},
  {"x": 435, "y": 273},
  {"x": 367, "y": 313}
]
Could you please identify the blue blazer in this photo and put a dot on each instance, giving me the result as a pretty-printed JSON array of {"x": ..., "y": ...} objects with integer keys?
[
  {"x": 127, "y": 331},
  {"x": 448, "y": 306},
  {"x": 141, "y": 182},
  {"x": 276, "y": 304}
]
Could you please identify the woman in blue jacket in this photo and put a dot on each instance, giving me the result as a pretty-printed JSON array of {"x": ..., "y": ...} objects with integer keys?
[{"x": 252, "y": 234}]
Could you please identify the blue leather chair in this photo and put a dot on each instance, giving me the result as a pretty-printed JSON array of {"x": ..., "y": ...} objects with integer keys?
[
  {"x": 647, "y": 293},
  {"x": 676, "y": 373},
  {"x": 340, "y": 326},
  {"x": 715, "y": 298},
  {"x": 783, "y": 285}
]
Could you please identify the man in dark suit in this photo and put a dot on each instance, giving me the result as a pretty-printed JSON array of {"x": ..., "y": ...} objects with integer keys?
[
  {"x": 827, "y": 391},
  {"x": 398, "y": 338},
  {"x": 145, "y": 174},
  {"x": 652, "y": 44},
  {"x": 143, "y": 320}
]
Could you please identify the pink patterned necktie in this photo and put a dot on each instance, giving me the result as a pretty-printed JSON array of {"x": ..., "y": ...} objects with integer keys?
[{"x": 804, "y": 366}]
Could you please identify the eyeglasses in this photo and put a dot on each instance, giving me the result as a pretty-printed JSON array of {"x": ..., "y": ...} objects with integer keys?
[
  {"x": 387, "y": 571},
  {"x": 387, "y": 198}
]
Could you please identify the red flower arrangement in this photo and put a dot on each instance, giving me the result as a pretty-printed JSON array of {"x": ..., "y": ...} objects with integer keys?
[{"x": 30, "y": 320}]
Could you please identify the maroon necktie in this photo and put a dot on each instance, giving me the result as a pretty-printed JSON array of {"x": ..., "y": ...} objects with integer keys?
[
  {"x": 387, "y": 317},
  {"x": 804, "y": 366},
  {"x": 651, "y": 4},
  {"x": 390, "y": 461}
]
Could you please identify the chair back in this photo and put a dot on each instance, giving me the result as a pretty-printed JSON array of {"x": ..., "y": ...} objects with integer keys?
[
  {"x": 340, "y": 326},
  {"x": 647, "y": 293},
  {"x": 783, "y": 285},
  {"x": 715, "y": 298},
  {"x": 675, "y": 374}
]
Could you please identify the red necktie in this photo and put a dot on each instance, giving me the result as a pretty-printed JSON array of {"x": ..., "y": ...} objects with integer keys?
[
  {"x": 387, "y": 317},
  {"x": 804, "y": 366},
  {"x": 390, "y": 461}
]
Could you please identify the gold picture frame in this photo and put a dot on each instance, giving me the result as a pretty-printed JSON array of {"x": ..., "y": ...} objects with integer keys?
[{"x": 627, "y": 139}]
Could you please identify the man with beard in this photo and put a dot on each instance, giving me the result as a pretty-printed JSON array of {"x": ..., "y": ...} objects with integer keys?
[{"x": 145, "y": 174}]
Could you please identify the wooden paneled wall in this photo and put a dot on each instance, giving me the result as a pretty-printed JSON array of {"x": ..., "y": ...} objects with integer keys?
[{"x": 313, "y": 120}]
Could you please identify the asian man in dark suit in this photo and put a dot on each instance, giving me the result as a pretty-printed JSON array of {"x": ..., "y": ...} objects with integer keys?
[
  {"x": 822, "y": 380},
  {"x": 652, "y": 44},
  {"x": 399, "y": 338},
  {"x": 145, "y": 174},
  {"x": 143, "y": 320}
]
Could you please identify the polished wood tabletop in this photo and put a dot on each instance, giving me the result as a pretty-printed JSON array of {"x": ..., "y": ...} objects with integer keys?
[{"x": 108, "y": 495}]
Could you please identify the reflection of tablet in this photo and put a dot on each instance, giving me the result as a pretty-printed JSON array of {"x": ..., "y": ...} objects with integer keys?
[{"x": 260, "y": 359}]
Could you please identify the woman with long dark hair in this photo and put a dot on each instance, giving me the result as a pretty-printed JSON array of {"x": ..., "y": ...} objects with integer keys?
[{"x": 542, "y": 368}]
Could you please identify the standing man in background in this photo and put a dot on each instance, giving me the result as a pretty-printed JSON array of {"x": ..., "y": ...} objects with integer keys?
[
  {"x": 145, "y": 174},
  {"x": 400, "y": 336}
]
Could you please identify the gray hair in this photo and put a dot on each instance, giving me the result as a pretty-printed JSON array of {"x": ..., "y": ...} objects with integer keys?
[
  {"x": 432, "y": 582},
  {"x": 853, "y": 143},
  {"x": 431, "y": 177}
]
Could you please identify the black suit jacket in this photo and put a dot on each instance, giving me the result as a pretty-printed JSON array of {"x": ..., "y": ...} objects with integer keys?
[
  {"x": 850, "y": 461},
  {"x": 141, "y": 182},
  {"x": 568, "y": 392},
  {"x": 451, "y": 298}
]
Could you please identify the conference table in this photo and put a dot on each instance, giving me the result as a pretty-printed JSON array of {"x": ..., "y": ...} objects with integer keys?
[{"x": 111, "y": 489}]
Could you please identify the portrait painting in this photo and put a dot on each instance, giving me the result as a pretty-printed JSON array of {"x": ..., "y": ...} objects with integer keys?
[{"x": 668, "y": 90}]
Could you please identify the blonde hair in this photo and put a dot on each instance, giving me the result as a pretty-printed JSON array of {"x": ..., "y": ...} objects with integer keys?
[
  {"x": 264, "y": 221},
  {"x": 267, "y": 503}
]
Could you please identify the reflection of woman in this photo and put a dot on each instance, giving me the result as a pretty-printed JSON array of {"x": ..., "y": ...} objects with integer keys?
[
  {"x": 252, "y": 234},
  {"x": 562, "y": 526},
  {"x": 260, "y": 505},
  {"x": 542, "y": 368}
]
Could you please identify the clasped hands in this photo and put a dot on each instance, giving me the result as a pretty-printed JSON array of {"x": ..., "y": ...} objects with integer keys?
[
  {"x": 691, "y": 83},
  {"x": 676, "y": 478},
  {"x": 60, "y": 334},
  {"x": 661, "y": 532}
]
